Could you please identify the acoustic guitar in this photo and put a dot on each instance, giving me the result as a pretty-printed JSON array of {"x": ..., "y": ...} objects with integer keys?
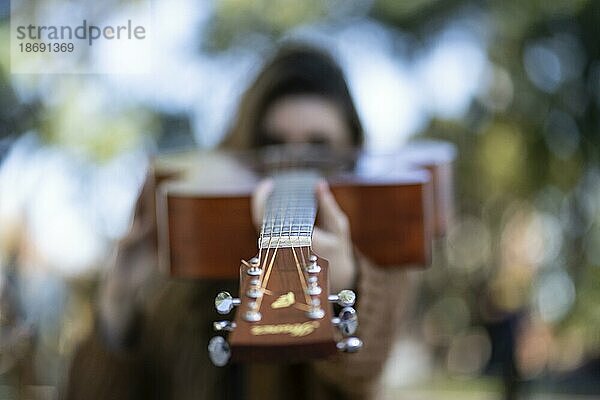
[{"x": 396, "y": 204}]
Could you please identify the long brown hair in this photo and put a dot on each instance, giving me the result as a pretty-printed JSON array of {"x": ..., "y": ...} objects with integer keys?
[{"x": 295, "y": 69}]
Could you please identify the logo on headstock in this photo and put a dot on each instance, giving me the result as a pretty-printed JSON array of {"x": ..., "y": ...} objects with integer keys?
[
  {"x": 285, "y": 300},
  {"x": 295, "y": 330}
]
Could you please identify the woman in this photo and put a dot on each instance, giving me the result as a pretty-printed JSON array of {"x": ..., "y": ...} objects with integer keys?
[{"x": 151, "y": 343}]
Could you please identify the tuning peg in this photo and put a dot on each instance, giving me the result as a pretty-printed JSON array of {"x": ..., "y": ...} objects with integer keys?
[
  {"x": 347, "y": 321},
  {"x": 219, "y": 351},
  {"x": 254, "y": 269},
  {"x": 315, "y": 311},
  {"x": 350, "y": 344},
  {"x": 224, "y": 303},
  {"x": 224, "y": 326},
  {"x": 252, "y": 315},
  {"x": 313, "y": 286},
  {"x": 254, "y": 292},
  {"x": 313, "y": 267},
  {"x": 344, "y": 298}
]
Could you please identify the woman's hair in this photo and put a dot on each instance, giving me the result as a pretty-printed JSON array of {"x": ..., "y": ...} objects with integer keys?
[{"x": 295, "y": 69}]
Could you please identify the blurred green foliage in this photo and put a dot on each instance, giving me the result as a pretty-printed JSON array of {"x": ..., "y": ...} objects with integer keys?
[{"x": 527, "y": 174}]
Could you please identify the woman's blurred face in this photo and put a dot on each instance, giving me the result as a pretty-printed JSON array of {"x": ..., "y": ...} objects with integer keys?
[{"x": 306, "y": 119}]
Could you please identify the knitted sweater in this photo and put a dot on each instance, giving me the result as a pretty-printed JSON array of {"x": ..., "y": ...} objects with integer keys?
[
  {"x": 167, "y": 356},
  {"x": 170, "y": 359}
]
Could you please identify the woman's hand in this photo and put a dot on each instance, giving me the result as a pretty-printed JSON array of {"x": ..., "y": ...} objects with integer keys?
[{"x": 331, "y": 238}]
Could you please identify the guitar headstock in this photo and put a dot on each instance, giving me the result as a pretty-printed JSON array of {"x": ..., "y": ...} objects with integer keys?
[{"x": 284, "y": 312}]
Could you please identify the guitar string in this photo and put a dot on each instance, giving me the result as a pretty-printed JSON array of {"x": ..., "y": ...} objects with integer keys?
[
  {"x": 298, "y": 268},
  {"x": 269, "y": 214},
  {"x": 274, "y": 204},
  {"x": 270, "y": 221},
  {"x": 302, "y": 249},
  {"x": 271, "y": 205},
  {"x": 260, "y": 238},
  {"x": 266, "y": 255},
  {"x": 311, "y": 230},
  {"x": 265, "y": 281},
  {"x": 307, "y": 299},
  {"x": 267, "y": 276}
]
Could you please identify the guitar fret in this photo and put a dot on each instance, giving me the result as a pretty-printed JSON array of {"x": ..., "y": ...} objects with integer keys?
[{"x": 290, "y": 211}]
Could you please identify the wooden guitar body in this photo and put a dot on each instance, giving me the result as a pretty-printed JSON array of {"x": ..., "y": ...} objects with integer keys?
[{"x": 396, "y": 204}]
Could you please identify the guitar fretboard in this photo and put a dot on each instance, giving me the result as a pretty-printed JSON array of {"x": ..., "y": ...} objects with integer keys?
[{"x": 290, "y": 211}]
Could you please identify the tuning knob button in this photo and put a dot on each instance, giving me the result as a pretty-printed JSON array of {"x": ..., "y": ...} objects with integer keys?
[
  {"x": 227, "y": 326},
  {"x": 254, "y": 292},
  {"x": 224, "y": 303},
  {"x": 350, "y": 344},
  {"x": 254, "y": 269},
  {"x": 252, "y": 316},
  {"x": 347, "y": 321},
  {"x": 313, "y": 267},
  {"x": 344, "y": 298},
  {"x": 218, "y": 351}
]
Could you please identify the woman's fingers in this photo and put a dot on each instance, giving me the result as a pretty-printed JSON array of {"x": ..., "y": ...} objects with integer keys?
[
  {"x": 338, "y": 252},
  {"x": 333, "y": 219},
  {"x": 324, "y": 243},
  {"x": 259, "y": 198}
]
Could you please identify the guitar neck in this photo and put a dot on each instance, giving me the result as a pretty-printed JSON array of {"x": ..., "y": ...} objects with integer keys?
[
  {"x": 283, "y": 311},
  {"x": 290, "y": 210}
]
